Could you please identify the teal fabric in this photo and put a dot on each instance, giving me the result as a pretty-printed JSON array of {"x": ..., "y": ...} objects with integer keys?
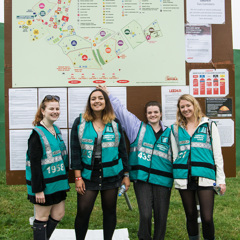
[
  {"x": 54, "y": 162},
  {"x": 150, "y": 159},
  {"x": 112, "y": 164},
  {"x": 194, "y": 152}
]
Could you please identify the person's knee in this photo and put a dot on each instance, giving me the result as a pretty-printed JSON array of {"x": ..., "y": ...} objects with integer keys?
[
  {"x": 42, "y": 216},
  {"x": 192, "y": 215},
  {"x": 58, "y": 215},
  {"x": 146, "y": 216},
  {"x": 207, "y": 220},
  {"x": 109, "y": 212}
]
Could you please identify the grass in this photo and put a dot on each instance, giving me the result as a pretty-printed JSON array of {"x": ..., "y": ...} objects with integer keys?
[{"x": 16, "y": 209}]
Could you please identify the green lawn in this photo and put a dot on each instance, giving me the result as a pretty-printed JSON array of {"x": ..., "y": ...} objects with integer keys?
[{"x": 15, "y": 212}]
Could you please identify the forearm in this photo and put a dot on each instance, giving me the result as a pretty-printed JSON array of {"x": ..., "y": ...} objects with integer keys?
[
  {"x": 78, "y": 173},
  {"x": 75, "y": 147},
  {"x": 130, "y": 123},
  {"x": 217, "y": 153}
]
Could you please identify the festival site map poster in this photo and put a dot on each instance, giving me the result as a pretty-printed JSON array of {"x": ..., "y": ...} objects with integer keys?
[{"x": 74, "y": 43}]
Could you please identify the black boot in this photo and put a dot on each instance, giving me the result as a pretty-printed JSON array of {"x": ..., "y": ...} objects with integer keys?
[
  {"x": 197, "y": 237},
  {"x": 51, "y": 225},
  {"x": 39, "y": 230}
]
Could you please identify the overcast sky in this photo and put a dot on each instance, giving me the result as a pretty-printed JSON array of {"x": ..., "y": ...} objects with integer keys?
[{"x": 1, "y": 10}]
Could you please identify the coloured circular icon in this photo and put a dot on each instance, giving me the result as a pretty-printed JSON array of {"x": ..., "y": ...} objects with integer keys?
[
  {"x": 42, "y": 13},
  {"x": 74, "y": 42},
  {"x": 120, "y": 42},
  {"x": 84, "y": 57},
  {"x": 41, "y": 5},
  {"x": 127, "y": 31},
  {"x": 102, "y": 33},
  {"x": 148, "y": 37},
  {"x": 108, "y": 50}
]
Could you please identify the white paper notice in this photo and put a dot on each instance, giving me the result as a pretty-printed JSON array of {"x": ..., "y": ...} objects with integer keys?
[
  {"x": 62, "y": 93},
  {"x": 209, "y": 82},
  {"x": 77, "y": 100},
  {"x": 226, "y": 131},
  {"x": 198, "y": 40},
  {"x": 65, "y": 136},
  {"x": 236, "y": 23},
  {"x": 170, "y": 97},
  {"x": 22, "y": 107},
  {"x": 206, "y": 11},
  {"x": 18, "y": 148}
]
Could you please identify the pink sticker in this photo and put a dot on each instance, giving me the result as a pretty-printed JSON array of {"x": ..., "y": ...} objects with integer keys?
[{"x": 42, "y": 5}]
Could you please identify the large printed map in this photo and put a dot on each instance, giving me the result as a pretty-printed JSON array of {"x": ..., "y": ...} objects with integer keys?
[{"x": 87, "y": 42}]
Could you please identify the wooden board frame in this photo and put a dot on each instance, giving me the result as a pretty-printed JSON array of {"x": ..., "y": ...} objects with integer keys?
[{"x": 222, "y": 57}]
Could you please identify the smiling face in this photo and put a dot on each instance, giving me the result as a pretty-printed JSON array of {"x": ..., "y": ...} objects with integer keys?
[
  {"x": 51, "y": 112},
  {"x": 153, "y": 114},
  {"x": 97, "y": 101},
  {"x": 186, "y": 109}
]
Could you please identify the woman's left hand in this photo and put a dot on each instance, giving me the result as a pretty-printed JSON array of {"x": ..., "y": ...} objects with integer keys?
[
  {"x": 223, "y": 188},
  {"x": 126, "y": 182}
]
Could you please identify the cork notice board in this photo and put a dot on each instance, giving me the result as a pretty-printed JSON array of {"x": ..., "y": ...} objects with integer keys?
[{"x": 222, "y": 58}]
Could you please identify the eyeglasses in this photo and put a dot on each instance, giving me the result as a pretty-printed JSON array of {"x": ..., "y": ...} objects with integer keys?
[{"x": 50, "y": 97}]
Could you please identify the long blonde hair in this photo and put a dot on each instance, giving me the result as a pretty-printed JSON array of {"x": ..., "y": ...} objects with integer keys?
[{"x": 198, "y": 114}]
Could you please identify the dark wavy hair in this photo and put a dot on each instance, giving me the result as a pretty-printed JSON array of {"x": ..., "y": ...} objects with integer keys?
[
  {"x": 153, "y": 103},
  {"x": 107, "y": 113}
]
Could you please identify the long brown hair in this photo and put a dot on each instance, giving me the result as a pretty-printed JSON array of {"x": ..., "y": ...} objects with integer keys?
[
  {"x": 107, "y": 113},
  {"x": 198, "y": 114},
  {"x": 42, "y": 106}
]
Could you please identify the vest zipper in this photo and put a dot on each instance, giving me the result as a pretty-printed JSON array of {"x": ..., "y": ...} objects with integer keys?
[
  {"x": 152, "y": 153},
  {"x": 189, "y": 160},
  {"x": 151, "y": 161}
]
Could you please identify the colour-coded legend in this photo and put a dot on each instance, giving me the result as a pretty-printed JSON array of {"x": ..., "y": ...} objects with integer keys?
[{"x": 209, "y": 82}]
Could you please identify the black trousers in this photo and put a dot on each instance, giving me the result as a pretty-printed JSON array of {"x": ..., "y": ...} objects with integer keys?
[{"x": 150, "y": 198}]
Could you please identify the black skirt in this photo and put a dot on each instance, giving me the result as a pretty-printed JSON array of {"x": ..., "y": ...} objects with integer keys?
[
  {"x": 50, "y": 199},
  {"x": 97, "y": 181}
]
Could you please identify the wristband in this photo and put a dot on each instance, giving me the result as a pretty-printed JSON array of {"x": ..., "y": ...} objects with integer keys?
[
  {"x": 126, "y": 174},
  {"x": 78, "y": 178}
]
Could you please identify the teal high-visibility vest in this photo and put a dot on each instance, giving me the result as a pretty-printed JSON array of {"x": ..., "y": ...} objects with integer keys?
[
  {"x": 111, "y": 163},
  {"x": 54, "y": 162},
  {"x": 150, "y": 159},
  {"x": 195, "y": 155}
]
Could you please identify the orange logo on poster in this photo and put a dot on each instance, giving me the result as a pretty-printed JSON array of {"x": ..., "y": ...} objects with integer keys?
[{"x": 108, "y": 50}]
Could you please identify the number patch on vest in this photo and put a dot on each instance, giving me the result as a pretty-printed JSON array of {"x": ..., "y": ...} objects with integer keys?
[
  {"x": 164, "y": 140},
  {"x": 53, "y": 169},
  {"x": 87, "y": 153},
  {"x": 144, "y": 156},
  {"x": 109, "y": 129},
  {"x": 202, "y": 130}
]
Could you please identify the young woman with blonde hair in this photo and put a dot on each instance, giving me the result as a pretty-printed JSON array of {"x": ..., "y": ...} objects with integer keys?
[
  {"x": 47, "y": 169},
  {"x": 198, "y": 164},
  {"x": 99, "y": 160}
]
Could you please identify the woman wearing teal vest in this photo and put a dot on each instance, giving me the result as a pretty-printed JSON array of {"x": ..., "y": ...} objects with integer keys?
[
  {"x": 198, "y": 164},
  {"x": 100, "y": 163},
  {"x": 150, "y": 161},
  {"x": 47, "y": 169}
]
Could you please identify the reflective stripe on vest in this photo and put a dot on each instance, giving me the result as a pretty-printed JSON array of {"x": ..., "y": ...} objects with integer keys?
[
  {"x": 151, "y": 159},
  {"x": 112, "y": 166},
  {"x": 53, "y": 167},
  {"x": 198, "y": 148}
]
